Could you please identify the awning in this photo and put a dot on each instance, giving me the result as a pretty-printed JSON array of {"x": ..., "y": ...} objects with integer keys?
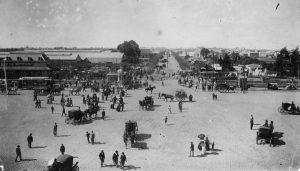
[{"x": 26, "y": 68}]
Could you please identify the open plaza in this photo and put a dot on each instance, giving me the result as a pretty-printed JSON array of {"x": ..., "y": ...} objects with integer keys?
[{"x": 159, "y": 145}]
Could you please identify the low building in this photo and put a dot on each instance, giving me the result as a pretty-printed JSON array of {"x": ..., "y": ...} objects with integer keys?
[
  {"x": 103, "y": 57},
  {"x": 63, "y": 59},
  {"x": 24, "y": 64}
]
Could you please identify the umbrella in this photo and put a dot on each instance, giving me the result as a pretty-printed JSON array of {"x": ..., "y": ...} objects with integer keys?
[
  {"x": 51, "y": 161},
  {"x": 201, "y": 136}
]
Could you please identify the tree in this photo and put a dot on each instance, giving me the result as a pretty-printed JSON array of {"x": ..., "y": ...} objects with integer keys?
[
  {"x": 131, "y": 51},
  {"x": 287, "y": 62},
  {"x": 204, "y": 52},
  {"x": 226, "y": 63},
  {"x": 180, "y": 95}
]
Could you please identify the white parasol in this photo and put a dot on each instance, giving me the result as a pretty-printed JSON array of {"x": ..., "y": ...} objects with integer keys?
[{"x": 51, "y": 161}]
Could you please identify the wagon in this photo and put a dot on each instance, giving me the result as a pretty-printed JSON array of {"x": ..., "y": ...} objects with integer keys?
[
  {"x": 75, "y": 116},
  {"x": 130, "y": 131},
  {"x": 286, "y": 109},
  {"x": 272, "y": 86},
  {"x": 223, "y": 88},
  {"x": 264, "y": 134},
  {"x": 63, "y": 162}
]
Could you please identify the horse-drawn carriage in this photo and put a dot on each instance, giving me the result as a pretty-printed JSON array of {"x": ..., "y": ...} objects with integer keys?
[
  {"x": 264, "y": 135},
  {"x": 130, "y": 131},
  {"x": 42, "y": 91},
  {"x": 75, "y": 116},
  {"x": 147, "y": 102},
  {"x": 75, "y": 90},
  {"x": 63, "y": 162},
  {"x": 225, "y": 88},
  {"x": 272, "y": 86},
  {"x": 289, "y": 108},
  {"x": 92, "y": 111}
]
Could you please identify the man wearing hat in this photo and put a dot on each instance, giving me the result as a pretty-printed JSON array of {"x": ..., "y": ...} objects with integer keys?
[
  {"x": 18, "y": 152},
  {"x": 29, "y": 140}
]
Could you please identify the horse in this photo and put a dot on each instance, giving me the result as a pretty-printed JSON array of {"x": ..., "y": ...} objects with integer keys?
[
  {"x": 76, "y": 90},
  {"x": 231, "y": 88},
  {"x": 167, "y": 96},
  {"x": 149, "y": 89}
]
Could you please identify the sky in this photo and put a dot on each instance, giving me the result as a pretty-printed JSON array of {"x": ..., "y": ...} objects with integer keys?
[{"x": 151, "y": 23}]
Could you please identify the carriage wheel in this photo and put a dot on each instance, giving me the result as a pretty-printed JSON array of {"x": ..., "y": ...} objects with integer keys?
[
  {"x": 67, "y": 120},
  {"x": 280, "y": 110}
]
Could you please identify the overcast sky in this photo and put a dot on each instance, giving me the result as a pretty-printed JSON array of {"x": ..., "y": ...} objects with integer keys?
[{"x": 151, "y": 23}]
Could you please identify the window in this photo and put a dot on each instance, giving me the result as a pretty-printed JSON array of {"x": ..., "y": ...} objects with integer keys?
[
  {"x": 41, "y": 59},
  {"x": 19, "y": 59},
  {"x": 30, "y": 59}
]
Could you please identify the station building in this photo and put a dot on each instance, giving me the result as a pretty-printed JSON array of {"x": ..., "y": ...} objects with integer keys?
[{"x": 19, "y": 64}]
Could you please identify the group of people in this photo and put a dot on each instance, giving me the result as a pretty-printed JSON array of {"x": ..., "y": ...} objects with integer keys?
[{"x": 92, "y": 135}]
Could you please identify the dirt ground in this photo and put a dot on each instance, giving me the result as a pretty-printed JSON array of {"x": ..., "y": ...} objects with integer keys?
[{"x": 160, "y": 146}]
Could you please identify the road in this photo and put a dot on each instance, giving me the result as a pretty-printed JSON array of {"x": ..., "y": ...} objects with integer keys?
[{"x": 160, "y": 146}]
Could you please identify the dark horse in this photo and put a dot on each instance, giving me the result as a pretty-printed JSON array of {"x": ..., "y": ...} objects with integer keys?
[
  {"x": 149, "y": 89},
  {"x": 167, "y": 96}
]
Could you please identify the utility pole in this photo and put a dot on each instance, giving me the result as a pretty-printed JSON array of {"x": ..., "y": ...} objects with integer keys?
[{"x": 4, "y": 68}]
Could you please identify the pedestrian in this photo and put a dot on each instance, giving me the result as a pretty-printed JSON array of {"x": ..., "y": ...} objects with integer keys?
[
  {"x": 169, "y": 108},
  {"x": 88, "y": 136},
  {"x": 52, "y": 109},
  {"x": 251, "y": 122},
  {"x": 122, "y": 160},
  {"x": 125, "y": 140},
  {"x": 55, "y": 129},
  {"x": 271, "y": 126},
  {"x": 192, "y": 149},
  {"x": 103, "y": 114},
  {"x": 266, "y": 124},
  {"x": 207, "y": 144},
  {"x": 159, "y": 96},
  {"x": 71, "y": 102},
  {"x": 62, "y": 149},
  {"x": 93, "y": 138},
  {"x": 102, "y": 157},
  {"x": 166, "y": 120},
  {"x": 63, "y": 112},
  {"x": 115, "y": 158},
  {"x": 18, "y": 152},
  {"x": 213, "y": 146},
  {"x": 29, "y": 140}
]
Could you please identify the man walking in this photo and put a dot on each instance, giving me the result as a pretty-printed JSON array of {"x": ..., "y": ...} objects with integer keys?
[
  {"x": 52, "y": 109},
  {"x": 103, "y": 114},
  {"x": 18, "y": 152},
  {"x": 63, "y": 112},
  {"x": 88, "y": 136},
  {"x": 192, "y": 150},
  {"x": 55, "y": 129},
  {"x": 102, "y": 157},
  {"x": 29, "y": 140},
  {"x": 62, "y": 149},
  {"x": 166, "y": 120},
  {"x": 251, "y": 122},
  {"x": 169, "y": 108},
  {"x": 93, "y": 138},
  {"x": 115, "y": 158},
  {"x": 122, "y": 160}
]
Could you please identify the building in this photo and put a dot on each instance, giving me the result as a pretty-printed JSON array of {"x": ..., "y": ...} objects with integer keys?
[
  {"x": 63, "y": 59},
  {"x": 24, "y": 64},
  {"x": 103, "y": 57}
]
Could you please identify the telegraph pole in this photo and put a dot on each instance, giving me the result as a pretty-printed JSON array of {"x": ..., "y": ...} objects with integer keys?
[{"x": 5, "y": 76}]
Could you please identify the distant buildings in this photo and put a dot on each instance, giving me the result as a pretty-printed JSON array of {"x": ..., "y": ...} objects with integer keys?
[{"x": 24, "y": 64}]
